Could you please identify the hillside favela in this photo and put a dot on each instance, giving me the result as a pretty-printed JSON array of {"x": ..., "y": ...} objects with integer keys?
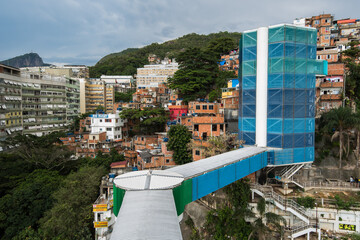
[{"x": 246, "y": 132}]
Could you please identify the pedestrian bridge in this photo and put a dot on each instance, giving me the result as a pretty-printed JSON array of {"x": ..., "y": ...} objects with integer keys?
[{"x": 148, "y": 203}]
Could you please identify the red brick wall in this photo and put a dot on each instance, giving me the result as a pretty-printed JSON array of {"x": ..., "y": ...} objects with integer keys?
[{"x": 336, "y": 69}]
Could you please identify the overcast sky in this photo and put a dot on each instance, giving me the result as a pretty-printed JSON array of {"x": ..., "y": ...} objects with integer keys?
[{"x": 83, "y": 31}]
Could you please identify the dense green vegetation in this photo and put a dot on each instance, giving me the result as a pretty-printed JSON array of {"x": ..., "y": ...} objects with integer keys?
[
  {"x": 179, "y": 138},
  {"x": 352, "y": 82},
  {"x": 199, "y": 75},
  {"x": 146, "y": 121},
  {"x": 45, "y": 192},
  {"x": 266, "y": 223},
  {"x": 124, "y": 97},
  {"x": 228, "y": 221},
  {"x": 337, "y": 123},
  {"x": 127, "y": 61},
  {"x": 307, "y": 202}
]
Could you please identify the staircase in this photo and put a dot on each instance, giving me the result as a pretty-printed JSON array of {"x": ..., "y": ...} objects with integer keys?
[
  {"x": 282, "y": 203},
  {"x": 298, "y": 231},
  {"x": 287, "y": 173},
  {"x": 288, "y": 205}
]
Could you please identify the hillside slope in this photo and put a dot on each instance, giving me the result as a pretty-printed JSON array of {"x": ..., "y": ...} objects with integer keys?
[{"x": 127, "y": 61}]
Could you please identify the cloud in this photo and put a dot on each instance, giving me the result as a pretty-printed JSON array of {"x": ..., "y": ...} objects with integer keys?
[{"x": 83, "y": 31}]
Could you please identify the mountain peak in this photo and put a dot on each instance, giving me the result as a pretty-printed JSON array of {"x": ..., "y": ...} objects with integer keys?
[{"x": 26, "y": 60}]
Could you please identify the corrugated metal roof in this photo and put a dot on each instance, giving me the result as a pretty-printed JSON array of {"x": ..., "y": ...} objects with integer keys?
[
  {"x": 147, "y": 214},
  {"x": 208, "y": 164}
]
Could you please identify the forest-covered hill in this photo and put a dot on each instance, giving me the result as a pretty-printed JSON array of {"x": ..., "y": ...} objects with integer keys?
[{"x": 127, "y": 61}]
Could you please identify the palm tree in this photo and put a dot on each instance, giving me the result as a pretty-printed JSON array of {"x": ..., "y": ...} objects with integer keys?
[
  {"x": 339, "y": 120},
  {"x": 266, "y": 221},
  {"x": 357, "y": 129}
]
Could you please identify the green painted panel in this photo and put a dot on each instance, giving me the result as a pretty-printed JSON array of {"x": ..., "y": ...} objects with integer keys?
[
  {"x": 118, "y": 199},
  {"x": 183, "y": 195}
]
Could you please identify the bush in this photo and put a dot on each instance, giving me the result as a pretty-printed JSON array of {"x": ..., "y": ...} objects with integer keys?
[{"x": 307, "y": 202}]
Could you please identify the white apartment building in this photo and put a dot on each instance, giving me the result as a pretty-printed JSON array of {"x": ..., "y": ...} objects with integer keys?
[
  {"x": 120, "y": 83},
  {"x": 109, "y": 123},
  {"x": 152, "y": 75},
  {"x": 36, "y": 103}
]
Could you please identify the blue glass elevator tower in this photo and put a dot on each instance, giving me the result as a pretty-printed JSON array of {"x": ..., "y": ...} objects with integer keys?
[{"x": 277, "y": 68}]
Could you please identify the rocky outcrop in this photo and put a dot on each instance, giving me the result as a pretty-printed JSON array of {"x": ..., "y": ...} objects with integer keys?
[{"x": 26, "y": 60}]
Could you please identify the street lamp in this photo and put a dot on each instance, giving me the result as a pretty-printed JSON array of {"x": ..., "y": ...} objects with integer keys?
[{"x": 316, "y": 217}]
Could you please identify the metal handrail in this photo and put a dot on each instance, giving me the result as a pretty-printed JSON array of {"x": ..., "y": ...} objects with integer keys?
[
  {"x": 330, "y": 184},
  {"x": 285, "y": 202}
]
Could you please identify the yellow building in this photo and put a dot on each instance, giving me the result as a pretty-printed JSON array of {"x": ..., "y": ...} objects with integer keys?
[{"x": 97, "y": 93}]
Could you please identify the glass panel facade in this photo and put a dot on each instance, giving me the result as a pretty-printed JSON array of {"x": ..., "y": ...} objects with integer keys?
[
  {"x": 247, "y": 84},
  {"x": 292, "y": 67},
  {"x": 294, "y": 123}
]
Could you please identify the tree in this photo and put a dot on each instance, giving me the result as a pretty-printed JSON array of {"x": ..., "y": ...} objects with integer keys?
[
  {"x": 265, "y": 222},
  {"x": 148, "y": 120},
  {"x": 338, "y": 121},
  {"x": 357, "y": 129},
  {"x": 71, "y": 217},
  {"x": 10, "y": 176},
  {"x": 222, "y": 144},
  {"x": 351, "y": 59},
  {"x": 28, "y": 234},
  {"x": 27, "y": 203},
  {"x": 228, "y": 221},
  {"x": 221, "y": 46},
  {"x": 46, "y": 152},
  {"x": 197, "y": 74},
  {"x": 179, "y": 138},
  {"x": 124, "y": 97},
  {"x": 103, "y": 160}
]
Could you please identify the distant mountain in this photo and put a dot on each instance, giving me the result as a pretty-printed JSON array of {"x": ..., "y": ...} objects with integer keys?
[
  {"x": 26, "y": 60},
  {"x": 127, "y": 61}
]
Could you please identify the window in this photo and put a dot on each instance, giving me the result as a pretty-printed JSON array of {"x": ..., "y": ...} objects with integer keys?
[
  {"x": 167, "y": 160},
  {"x": 204, "y": 107},
  {"x": 204, "y": 136},
  {"x": 318, "y": 57},
  {"x": 327, "y": 37},
  {"x": 211, "y": 107},
  {"x": 100, "y": 120},
  {"x": 196, "y": 127},
  {"x": 214, "y": 127},
  {"x": 328, "y": 57},
  {"x": 107, "y": 120},
  {"x": 142, "y": 138},
  {"x": 117, "y": 120},
  {"x": 197, "y": 107},
  {"x": 108, "y": 129},
  {"x": 316, "y": 21},
  {"x": 221, "y": 127},
  {"x": 327, "y": 29},
  {"x": 100, "y": 129},
  {"x": 197, "y": 152}
]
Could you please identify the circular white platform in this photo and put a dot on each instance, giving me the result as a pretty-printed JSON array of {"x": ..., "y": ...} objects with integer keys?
[{"x": 148, "y": 180}]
